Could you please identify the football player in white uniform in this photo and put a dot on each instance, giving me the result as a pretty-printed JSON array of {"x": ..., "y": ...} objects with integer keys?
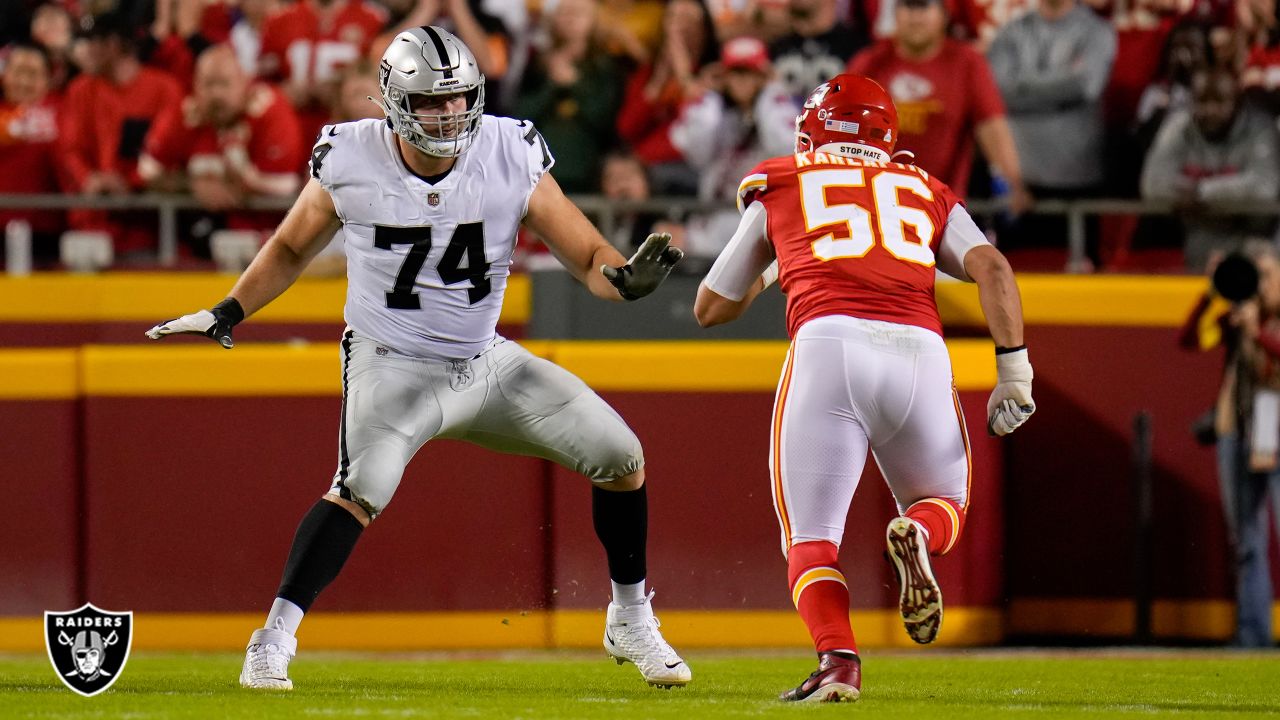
[{"x": 429, "y": 200}]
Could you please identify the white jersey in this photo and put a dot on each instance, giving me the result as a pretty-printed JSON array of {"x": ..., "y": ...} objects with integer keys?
[{"x": 427, "y": 264}]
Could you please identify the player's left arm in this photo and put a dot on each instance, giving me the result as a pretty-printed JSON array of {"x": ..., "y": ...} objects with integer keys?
[
  {"x": 581, "y": 248},
  {"x": 742, "y": 271}
]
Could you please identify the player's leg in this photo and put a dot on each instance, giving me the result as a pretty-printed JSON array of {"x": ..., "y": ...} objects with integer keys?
[
  {"x": 388, "y": 411},
  {"x": 923, "y": 453},
  {"x": 817, "y": 451},
  {"x": 545, "y": 411}
]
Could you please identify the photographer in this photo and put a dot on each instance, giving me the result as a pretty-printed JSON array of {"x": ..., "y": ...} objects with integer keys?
[{"x": 1246, "y": 419}]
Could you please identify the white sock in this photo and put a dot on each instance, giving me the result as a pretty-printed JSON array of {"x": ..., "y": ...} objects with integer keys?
[
  {"x": 628, "y": 594},
  {"x": 284, "y": 616}
]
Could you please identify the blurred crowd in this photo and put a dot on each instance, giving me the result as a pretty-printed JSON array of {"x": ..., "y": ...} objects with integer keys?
[{"x": 1020, "y": 100}]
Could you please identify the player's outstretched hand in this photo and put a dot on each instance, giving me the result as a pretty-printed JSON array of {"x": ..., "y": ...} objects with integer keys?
[
  {"x": 646, "y": 270},
  {"x": 215, "y": 323},
  {"x": 1010, "y": 403}
]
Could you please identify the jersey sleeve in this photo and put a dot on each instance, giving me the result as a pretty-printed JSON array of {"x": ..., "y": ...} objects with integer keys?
[
  {"x": 320, "y": 166},
  {"x": 744, "y": 258},
  {"x": 960, "y": 235},
  {"x": 537, "y": 156},
  {"x": 529, "y": 153},
  {"x": 752, "y": 187},
  {"x": 336, "y": 147}
]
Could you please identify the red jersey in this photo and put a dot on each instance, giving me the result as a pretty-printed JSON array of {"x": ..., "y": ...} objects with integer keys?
[
  {"x": 104, "y": 124},
  {"x": 300, "y": 47},
  {"x": 852, "y": 236},
  {"x": 265, "y": 150},
  {"x": 28, "y": 159},
  {"x": 940, "y": 101}
]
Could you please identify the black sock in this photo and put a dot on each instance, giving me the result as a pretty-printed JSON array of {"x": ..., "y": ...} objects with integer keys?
[
  {"x": 325, "y": 538},
  {"x": 622, "y": 524}
]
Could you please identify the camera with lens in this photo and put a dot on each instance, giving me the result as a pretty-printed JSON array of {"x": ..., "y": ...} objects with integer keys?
[{"x": 1236, "y": 278}]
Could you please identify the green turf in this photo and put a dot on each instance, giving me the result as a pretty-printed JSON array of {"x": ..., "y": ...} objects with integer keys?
[{"x": 539, "y": 686}]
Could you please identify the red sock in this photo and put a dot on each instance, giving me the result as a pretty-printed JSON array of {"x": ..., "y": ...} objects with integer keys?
[
  {"x": 820, "y": 595},
  {"x": 942, "y": 518}
]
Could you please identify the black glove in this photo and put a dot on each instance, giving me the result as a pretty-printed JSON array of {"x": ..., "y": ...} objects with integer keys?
[
  {"x": 646, "y": 270},
  {"x": 215, "y": 323}
]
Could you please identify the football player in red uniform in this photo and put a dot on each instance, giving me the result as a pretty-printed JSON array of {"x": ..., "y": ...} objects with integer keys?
[{"x": 857, "y": 240}]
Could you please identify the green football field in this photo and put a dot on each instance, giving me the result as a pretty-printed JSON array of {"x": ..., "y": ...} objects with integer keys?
[{"x": 950, "y": 684}]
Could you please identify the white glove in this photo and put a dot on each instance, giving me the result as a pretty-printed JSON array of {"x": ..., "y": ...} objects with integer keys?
[
  {"x": 215, "y": 324},
  {"x": 1010, "y": 403}
]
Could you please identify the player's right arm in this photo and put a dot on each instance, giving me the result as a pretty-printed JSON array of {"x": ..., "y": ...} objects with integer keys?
[
  {"x": 736, "y": 279},
  {"x": 1010, "y": 404},
  {"x": 307, "y": 228}
]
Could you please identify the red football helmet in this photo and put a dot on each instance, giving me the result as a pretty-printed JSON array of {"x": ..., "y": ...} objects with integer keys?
[{"x": 847, "y": 110}]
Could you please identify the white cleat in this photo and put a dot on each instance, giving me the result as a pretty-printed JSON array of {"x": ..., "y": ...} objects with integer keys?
[
  {"x": 266, "y": 661},
  {"x": 920, "y": 601},
  {"x": 631, "y": 634}
]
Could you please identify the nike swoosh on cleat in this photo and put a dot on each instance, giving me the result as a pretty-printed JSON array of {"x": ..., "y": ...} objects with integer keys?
[
  {"x": 672, "y": 666},
  {"x": 609, "y": 637}
]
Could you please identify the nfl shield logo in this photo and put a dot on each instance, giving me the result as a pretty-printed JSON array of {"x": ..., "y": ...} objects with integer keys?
[
  {"x": 88, "y": 647},
  {"x": 433, "y": 199}
]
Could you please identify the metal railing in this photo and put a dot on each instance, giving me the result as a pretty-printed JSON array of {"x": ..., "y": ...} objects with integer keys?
[{"x": 609, "y": 213}]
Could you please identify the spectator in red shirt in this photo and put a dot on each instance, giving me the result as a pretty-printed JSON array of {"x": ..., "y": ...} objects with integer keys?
[
  {"x": 106, "y": 114},
  {"x": 655, "y": 92},
  {"x": 946, "y": 97},
  {"x": 306, "y": 45},
  {"x": 28, "y": 142},
  {"x": 229, "y": 140}
]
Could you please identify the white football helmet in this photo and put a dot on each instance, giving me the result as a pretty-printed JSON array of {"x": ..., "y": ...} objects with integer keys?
[{"x": 431, "y": 61}]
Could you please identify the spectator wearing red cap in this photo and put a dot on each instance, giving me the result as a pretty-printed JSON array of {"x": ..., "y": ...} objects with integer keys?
[
  {"x": 816, "y": 49},
  {"x": 306, "y": 45},
  {"x": 28, "y": 141},
  {"x": 744, "y": 118},
  {"x": 230, "y": 139},
  {"x": 945, "y": 96}
]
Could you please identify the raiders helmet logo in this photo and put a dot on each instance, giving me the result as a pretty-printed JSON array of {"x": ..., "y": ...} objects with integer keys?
[
  {"x": 433, "y": 199},
  {"x": 88, "y": 646}
]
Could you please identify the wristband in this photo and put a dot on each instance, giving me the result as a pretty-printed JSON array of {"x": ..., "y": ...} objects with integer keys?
[
  {"x": 1000, "y": 350},
  {"x": 229, "y": 310}
]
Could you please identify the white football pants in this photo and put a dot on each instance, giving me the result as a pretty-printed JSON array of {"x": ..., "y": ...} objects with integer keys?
[
  {"x": 848, "y": 385},
  {"x": 504, "y": 399}
]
